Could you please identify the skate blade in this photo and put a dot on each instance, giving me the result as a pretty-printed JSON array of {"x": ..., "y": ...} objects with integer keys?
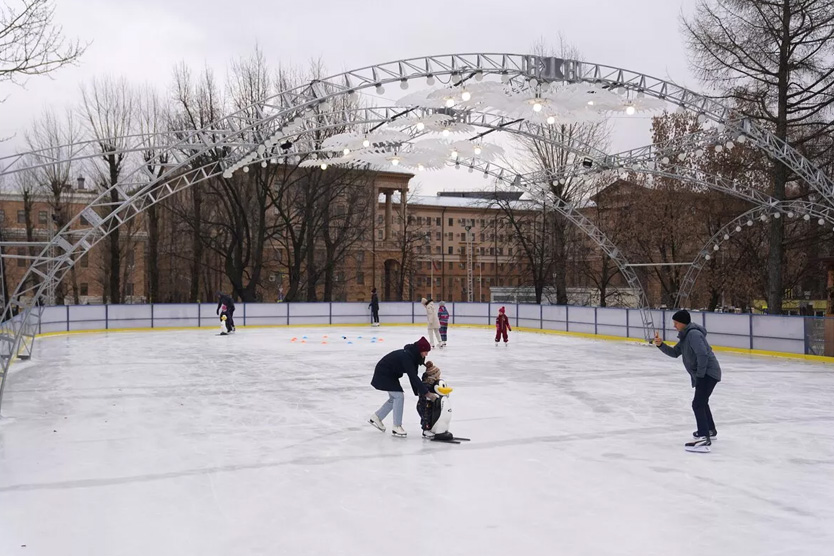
[
  {"x": 697, "y": 449},
  {"x": 377, "y": 426},
  {"x": 398, "y": 435}
]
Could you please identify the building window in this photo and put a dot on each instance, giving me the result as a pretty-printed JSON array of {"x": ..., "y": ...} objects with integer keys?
[
  {"x": 129, "y": 289},
  {"x": 42, "y": 217},
  {"x": 437, "y": 249},
  {"x": 84, "y": 289},
  {"x": 85, "y": 261},
  {"x": 360, "y": 256},
  {"x": 84, "y": 221},
  {"x": 360, "y": 278},
  {"x": 21, "y": 217},
  {"x": 379, "y": 234},
  {"x": 130, "y": 259},
  {"x": 438, "y": 236},
  {"x": 21, "y": 252},
  {"x": 451, "y": 251},
  {"x": 2, "y": 215},
  {"x": 451, "y": 222},
  {"x": 419, "y": 250},
  {"x": 437, "y": 221}
]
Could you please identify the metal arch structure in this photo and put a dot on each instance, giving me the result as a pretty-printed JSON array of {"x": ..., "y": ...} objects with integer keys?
[
  {"x": 179, "y": 160},
  {"x": 288, "y": 105},
  {"x": 789, "y": 209}
]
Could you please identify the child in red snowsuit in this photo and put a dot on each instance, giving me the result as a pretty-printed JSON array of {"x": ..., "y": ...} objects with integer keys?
[{"x": 502, "y": 326}]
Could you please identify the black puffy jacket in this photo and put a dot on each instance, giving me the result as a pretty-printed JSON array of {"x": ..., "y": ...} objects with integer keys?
[{"x": 393, "y": 366}]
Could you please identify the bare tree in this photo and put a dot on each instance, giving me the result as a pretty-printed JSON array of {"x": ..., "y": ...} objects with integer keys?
[
  {"x": 53, "y": 141},
  {"x": 31, "y": 43},
  {"x": 774, "y": 59},
  {"x": 109, "y": 110}
]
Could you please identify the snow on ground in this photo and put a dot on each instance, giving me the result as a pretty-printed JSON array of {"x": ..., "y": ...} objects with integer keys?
[{"x": 184, "y": 442}]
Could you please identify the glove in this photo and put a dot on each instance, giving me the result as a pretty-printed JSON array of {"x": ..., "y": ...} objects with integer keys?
[{"x": 431, "y": 396}]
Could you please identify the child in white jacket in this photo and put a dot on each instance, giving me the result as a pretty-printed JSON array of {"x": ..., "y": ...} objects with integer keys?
[{"x": 433, "y": 322}]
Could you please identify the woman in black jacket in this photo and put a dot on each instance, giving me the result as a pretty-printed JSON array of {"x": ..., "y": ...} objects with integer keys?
[{"x": 387, "y": 376}]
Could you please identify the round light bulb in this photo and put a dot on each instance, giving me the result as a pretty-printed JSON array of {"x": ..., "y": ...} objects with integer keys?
[
  {"x": 445, "y": 133},
  {"x": 590, "y": 103},
  {"x": 421, "y": 126},
  {"x": 630, "y": 110},
  {"x": 346, "y": 151},
  {"x": 450, "y": 102},
  {"x": 551, "y": 120},
  {"x": 479, "y": 76},
  {"x": 749, "y": 223},
  {"x": 420, "y": 167},
  {"x": 682, "y": 157},
  {"x": 273, "y": 161},
  {"x": 790, "y": 214},
  {"x": 466, "y": 95},
  {"x": 777, "y": 215},
  {"x": 742, "y": 139},
  {"x": 477, "y": 149},
  {"x": 395, "y": 161},
  {"x": 263, "y": 164},
  {"x": 821, "y": 221},
  {"x": 730, "y": 145},
  {"x": 454, "y": 155},
  {"x": 699, "y": 152},
  {"x": 430, "y": 80},
  {"x": 806, "y": 217},
  {"x": 718, "y": 148},
  {"x": 763, "y": 218},
  {"x": 404, "y": 84},
  {"x": 537, "y": 106},
  {"x": 380, "y": 90},
  {"x": 366, "y": 143},
  {"x": 738, "y": 228},
  {"x": 505, "y": 77},
  {"x": 715, "y": 248},
  {"x": 726, "y": 237},
  {"x": 665, "y": 160},
  {"x": 246, "y": 169},
  {"x": 324, "y": 166},
  {"x": 707, "y": 257}
]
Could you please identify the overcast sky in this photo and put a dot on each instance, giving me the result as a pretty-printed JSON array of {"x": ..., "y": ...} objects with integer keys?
[{"x": 144, "y": 39}]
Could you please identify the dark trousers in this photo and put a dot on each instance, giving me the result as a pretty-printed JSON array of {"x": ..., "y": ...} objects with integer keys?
[
  {"x": 443, "y": 329},
  {"x": 375, "y": 314},
  {"x": 700, "y": 405},
  {"x": 499, "y": 333}
]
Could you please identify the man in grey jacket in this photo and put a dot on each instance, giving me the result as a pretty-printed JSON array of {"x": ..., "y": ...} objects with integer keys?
[{"x": 704, "y": 371}]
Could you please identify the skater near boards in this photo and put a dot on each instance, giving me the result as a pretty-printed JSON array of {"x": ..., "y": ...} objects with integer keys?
[{"x": 704, "y": 372}]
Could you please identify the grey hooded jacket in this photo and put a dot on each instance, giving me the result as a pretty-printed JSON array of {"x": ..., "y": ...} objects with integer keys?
[{"x": 698, "y": 358}]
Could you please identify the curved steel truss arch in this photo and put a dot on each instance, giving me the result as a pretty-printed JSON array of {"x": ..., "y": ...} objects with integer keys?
[{"x": 785, "y": 209}]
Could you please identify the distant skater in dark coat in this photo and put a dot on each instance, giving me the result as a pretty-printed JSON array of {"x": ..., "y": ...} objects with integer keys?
[{"x": 226, "y": 306}]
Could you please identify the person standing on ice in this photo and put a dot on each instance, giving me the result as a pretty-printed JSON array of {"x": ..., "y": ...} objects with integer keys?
[
  {"x": 502, "y": 326},
  {"x": 433, "y": 322},
  {"x": 387, "y": 376},
  {"x": 226, "y": 305},
  {"x": 704, "y": 372},
  {"x": 374, "y": 305},
  {"x": 443, "y": 317}
]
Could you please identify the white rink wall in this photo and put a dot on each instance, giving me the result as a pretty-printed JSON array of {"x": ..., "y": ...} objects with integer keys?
[{"x": 786, "y": 334}]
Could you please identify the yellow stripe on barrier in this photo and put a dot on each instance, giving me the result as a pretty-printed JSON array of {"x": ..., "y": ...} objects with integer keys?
[{"x": 758, "y": 352}]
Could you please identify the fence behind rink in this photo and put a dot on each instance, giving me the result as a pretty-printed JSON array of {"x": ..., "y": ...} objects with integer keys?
[{"x": 787, "y": 334}]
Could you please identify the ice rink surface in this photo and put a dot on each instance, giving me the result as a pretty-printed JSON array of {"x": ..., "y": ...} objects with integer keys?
[{"x": 184, "y": 442}]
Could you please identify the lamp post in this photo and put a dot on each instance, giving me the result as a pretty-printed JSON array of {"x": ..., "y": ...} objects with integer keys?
[{"x": 470, "y": 281}]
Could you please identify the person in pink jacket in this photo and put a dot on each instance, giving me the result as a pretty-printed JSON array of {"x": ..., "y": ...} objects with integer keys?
[
  {"x": 443, "y": 317},
  {"x": 502, "y": 326}
]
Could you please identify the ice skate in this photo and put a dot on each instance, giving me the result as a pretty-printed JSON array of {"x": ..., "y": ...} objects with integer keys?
[
  {"x": 428, "y": 434},
  {"x": 374, "y": 420},
  {"x": 700, "y": 445},
  {"x": 399, "y": 432},
  {"x": 712, "y": 434}
]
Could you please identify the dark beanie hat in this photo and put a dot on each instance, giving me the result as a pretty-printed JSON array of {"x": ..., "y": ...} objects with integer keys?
[
  {"x": 423, "y": 345},
  {"x": 682, "y": 317}
]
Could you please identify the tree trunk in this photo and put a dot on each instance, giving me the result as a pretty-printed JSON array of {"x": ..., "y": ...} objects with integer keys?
[
  {"x": 560, "y": 261},
  {"x": 196, "y": 245},
  {"x": 152, "y": 262}
]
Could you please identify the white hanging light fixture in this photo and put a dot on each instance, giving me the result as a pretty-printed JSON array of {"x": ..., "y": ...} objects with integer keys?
[
  {"x": 465, "y": 95},
  {"x": 323, "y": 166}
]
